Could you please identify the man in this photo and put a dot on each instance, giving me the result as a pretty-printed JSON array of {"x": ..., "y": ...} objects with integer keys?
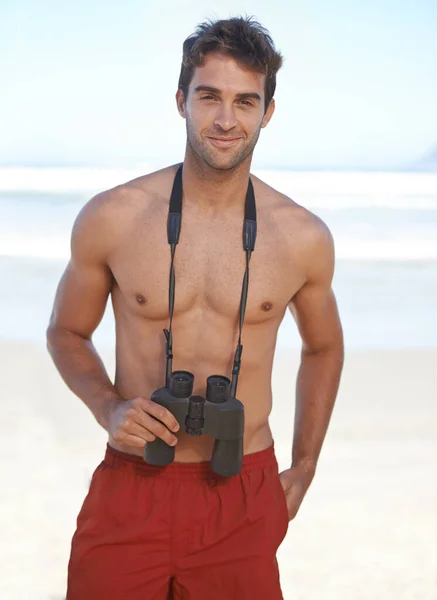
[{"x": 182, "y": 531}]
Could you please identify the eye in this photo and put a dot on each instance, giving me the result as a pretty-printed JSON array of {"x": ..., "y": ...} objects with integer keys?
[
  {"x": 207, "y": 97},
  {"x": 246, "y": 102}
]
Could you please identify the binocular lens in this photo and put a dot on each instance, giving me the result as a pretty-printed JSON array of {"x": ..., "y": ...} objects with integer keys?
[
  {"x": 217, "y": 388},
  {"x": 181, "y": 384}
]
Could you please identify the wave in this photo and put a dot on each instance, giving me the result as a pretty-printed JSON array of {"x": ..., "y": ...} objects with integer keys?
[
  {"x": 58, "y": 248},
  {"x": 36, "y": 218},
  {"x": 331, "y": 190},
  {"x": 64, "y": 180}
]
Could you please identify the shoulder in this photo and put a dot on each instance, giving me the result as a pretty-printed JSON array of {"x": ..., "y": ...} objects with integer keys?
[
  {"x": 108, "y": 216},
  {"x": 289, "y": 215},
  {"x": 129, "y": 196},
  {"x": 297, "y": 226}
]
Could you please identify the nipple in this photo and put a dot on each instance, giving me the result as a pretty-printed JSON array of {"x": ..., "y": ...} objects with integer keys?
[
  {"x": 266, "y": 306},
  {"x": 140, "y": 299}
]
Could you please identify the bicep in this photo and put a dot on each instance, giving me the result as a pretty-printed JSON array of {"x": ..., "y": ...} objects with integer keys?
[
  {"x": 83, "y": 290},
  {"x": 314, "y": 307}
]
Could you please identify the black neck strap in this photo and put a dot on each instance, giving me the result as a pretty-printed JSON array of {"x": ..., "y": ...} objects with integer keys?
[{"x": 173, "y": 232}]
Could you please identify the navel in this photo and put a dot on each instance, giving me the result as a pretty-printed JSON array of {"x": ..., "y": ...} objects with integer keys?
[
  {"x": 266, "y": 306},
  {"x": 140, "y": 299}
]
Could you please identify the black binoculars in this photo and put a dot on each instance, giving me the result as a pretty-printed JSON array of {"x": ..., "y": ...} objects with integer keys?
[{"x": 218, "y": 414}]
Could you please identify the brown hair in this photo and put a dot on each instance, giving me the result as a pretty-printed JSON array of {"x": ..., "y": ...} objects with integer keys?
[{"x": 242, "y": 38}]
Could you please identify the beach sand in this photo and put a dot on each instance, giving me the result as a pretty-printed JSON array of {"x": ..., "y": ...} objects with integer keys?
[{"x": 367, "y": 528}]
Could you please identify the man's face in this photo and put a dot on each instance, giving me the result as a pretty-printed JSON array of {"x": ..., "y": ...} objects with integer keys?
[{"x": 224, "y": 111}]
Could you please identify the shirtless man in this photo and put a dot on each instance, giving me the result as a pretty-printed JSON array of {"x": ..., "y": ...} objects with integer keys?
[{"x": 181, "y": 531}]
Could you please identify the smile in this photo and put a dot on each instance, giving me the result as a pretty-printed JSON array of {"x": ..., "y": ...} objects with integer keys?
[{"x": 223, "y": 143}]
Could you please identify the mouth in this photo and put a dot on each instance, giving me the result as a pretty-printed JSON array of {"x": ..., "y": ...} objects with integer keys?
[{"x": 223, "y": 142}]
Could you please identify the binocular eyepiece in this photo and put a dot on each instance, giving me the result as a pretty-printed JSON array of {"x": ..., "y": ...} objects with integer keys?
[
  {"x": 181, "y": 384},
  {"x": 217, "y": 414}
]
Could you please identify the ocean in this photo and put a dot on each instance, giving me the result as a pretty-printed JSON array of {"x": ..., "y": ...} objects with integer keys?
[{"x": 384, "y": 227}]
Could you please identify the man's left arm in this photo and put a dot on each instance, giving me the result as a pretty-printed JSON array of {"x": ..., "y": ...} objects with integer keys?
[{"x": 315, "y": 311}]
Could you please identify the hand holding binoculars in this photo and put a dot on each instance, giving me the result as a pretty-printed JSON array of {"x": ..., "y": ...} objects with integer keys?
[{"x": 218, "y": 414}]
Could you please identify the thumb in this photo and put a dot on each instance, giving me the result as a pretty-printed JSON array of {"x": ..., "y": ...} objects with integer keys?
[{"x": 286, "y": 479}]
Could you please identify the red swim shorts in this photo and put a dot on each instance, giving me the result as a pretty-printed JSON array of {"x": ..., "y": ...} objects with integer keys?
[{"x": 179, "y": 532}]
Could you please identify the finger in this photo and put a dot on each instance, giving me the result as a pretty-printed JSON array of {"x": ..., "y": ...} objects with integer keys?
[
  {"x": 160, "y": 413},
  {"x": 136, "y": 420},
  {"x": 159, "y": 430},
  {"x": 135, "y": 436},
  {"x": 131, "y": 427}
]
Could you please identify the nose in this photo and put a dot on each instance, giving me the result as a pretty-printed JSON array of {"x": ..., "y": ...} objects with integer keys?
[{"x": 225, "y": 118}]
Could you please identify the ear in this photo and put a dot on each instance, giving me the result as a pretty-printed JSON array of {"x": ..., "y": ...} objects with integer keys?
[
  {"x": 269, "y": 113},
  {"x": 180, "y": 103}
]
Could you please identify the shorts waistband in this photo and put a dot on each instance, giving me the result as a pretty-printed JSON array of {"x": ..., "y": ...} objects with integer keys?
[{"x": 180, "y": 470}]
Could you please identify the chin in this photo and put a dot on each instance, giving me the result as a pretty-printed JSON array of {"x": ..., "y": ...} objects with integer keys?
[{"x": 223, "y": 164}]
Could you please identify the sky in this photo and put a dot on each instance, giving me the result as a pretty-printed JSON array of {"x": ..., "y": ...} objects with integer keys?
[{"x": 93, "y": 83}]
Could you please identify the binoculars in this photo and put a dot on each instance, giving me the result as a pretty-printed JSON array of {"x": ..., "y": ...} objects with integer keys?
[{"x": 218, "y": 414}]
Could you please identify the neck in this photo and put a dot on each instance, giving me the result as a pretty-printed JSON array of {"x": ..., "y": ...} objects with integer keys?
[{"x": 207, "y": 187}]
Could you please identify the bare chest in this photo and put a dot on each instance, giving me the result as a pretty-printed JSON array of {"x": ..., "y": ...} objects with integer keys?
[{"x": 209, "y": 268}]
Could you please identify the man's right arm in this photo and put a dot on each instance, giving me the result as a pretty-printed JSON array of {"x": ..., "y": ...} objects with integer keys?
[{"x": 79, "y": 306}]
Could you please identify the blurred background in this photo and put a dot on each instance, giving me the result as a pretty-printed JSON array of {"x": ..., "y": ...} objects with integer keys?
[{"x": 87, "y": 102}]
